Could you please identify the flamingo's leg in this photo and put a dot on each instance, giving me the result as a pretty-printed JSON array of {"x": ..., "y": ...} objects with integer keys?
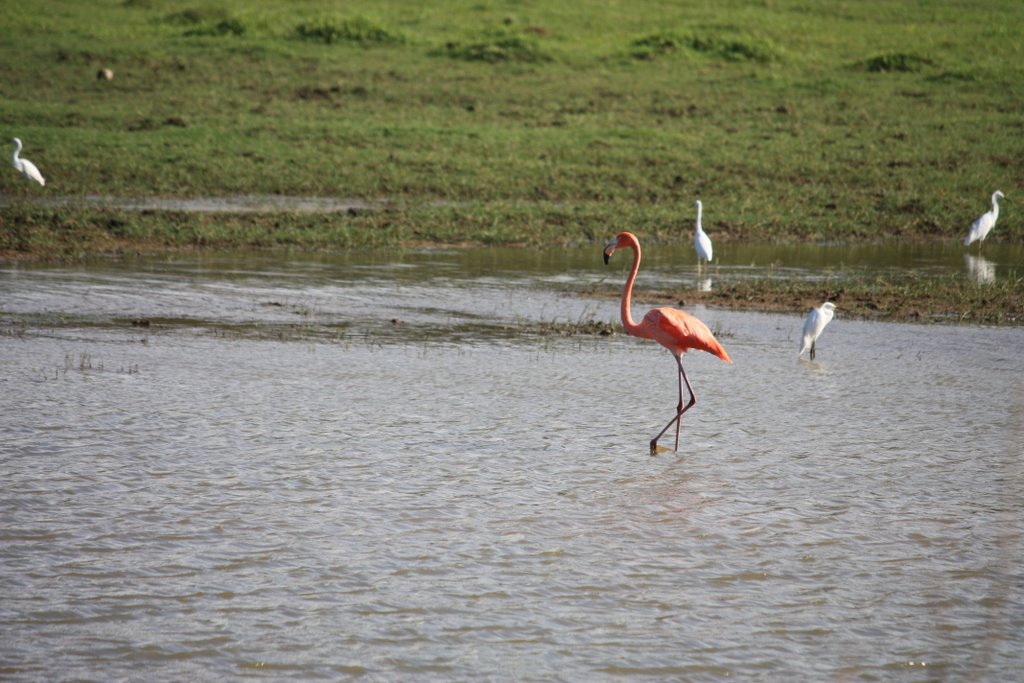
[{"x": 680, "y": 409}]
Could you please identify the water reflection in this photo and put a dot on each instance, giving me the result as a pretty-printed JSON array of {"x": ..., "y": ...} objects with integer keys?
[
  {"x": 980, "y": 268},
  {"x": 704, "y": 284}
]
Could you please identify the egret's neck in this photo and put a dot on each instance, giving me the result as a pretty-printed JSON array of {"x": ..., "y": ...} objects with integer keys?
[
  {"x": 14, "y": 154},
  {"x": 700, "y": 209},
  {"x": 627, "y": 293}
]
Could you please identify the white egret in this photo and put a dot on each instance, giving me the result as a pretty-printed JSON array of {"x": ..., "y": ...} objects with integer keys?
[
  {"x": 984, "y": 223},
  {"x": 24, "y": 166},
  {"x": 701, "y": 241},
  {"x": 814, "y": 325}
]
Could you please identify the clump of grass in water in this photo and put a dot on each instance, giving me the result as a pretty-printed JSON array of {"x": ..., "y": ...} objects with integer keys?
[
  {"x": 357, "y": 30},
  {"x": 721, "y": 333},
  {"x": 733, "y": 49},
  {"x": 572, "y": 329},
  {"x": 84, "y": 363},
  {"x": 584, "y": 325}
]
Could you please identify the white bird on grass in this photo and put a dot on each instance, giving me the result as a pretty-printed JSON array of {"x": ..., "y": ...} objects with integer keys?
[
  {"x": 701, "y": 241},
  {"x": 814, "y": 325},
  {"x": 24, "y": 166},
  {"x": 984, "y": 223}
]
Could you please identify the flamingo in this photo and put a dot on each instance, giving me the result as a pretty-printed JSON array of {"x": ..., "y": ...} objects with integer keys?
[
  {"x": 676, "y": 330},
  {"x": 25, "y": 167},
  {"x": 984, "y": 223},
  {"x": 814, "y": 325},
  {"x": 701, "y": 241}
]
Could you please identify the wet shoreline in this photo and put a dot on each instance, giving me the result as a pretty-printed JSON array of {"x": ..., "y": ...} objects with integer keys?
[
  {"x": 233, "y": 204},
  {"x": 902, "y": 281}
]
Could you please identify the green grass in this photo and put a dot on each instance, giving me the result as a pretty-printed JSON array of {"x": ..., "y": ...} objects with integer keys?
[{"x": 536, "y": 122}]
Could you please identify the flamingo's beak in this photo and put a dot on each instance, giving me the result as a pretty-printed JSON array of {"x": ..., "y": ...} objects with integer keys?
[{"x": 609, "y": 250}]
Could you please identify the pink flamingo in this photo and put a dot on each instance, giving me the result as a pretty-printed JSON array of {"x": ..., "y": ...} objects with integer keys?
[{"x": 676, "y": 330}]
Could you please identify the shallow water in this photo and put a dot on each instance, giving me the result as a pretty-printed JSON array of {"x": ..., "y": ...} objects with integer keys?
[
  {"x": 377, "y": 467},
  {"x": 235, "y": 204}
]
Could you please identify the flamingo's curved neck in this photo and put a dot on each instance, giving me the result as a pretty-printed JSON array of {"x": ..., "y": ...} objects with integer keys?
[{"x": 627, "y": 292}]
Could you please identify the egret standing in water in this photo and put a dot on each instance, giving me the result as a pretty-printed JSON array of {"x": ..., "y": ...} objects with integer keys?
[
  {"x": 814, "y": 325},
  {"x": 24, "y": 166},
  {"x": 701, "y": 241},
  {"x": 984, "y": 223},
  {"x": 676, "y": 330}
]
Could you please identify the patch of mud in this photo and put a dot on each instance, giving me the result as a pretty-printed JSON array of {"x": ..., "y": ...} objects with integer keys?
[{"x": 936, "y": 301}]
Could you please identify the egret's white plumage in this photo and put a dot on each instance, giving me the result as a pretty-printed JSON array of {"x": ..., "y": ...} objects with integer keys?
[
  {"x": 701, "y": 241},
  {"x": 984, "y": 223},
  {"x": 814, "y": 325},
  {"x": 24, "y": 166}
]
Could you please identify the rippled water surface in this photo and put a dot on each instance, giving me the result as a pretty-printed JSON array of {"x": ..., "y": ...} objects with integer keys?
[{"x": 381, "y": 467}]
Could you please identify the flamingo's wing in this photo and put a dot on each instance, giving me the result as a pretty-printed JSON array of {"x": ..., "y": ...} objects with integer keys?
[{"x": 679, "y": 331}]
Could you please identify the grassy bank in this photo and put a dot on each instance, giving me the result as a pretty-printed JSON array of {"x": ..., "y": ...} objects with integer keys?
[{"x": 790, "y": 121}]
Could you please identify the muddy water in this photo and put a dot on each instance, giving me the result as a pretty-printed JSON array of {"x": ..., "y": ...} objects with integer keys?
[
  {"x": 234, "y": 204},
  {"x": 377, "y": 468}
]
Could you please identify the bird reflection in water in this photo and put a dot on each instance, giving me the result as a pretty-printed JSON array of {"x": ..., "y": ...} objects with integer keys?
[{"x": 980, "y": 268}]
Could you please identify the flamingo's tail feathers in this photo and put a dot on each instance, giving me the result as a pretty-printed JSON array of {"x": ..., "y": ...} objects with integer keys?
[
  {"x": 715, "y": 349},
  {"x": 705, "y": 341}
]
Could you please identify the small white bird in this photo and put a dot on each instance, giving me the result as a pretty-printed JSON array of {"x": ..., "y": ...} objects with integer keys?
[
  {"x": 701, "y": 241},
  {"x": 814, "y": 325},
  {"x": 984, "y": 223},
  {"x": 24, "y": 166}
]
